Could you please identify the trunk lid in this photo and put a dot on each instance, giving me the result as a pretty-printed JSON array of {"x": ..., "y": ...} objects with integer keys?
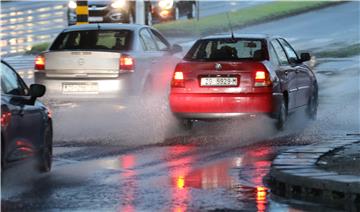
[
  {"x": 83, "y": 64},
  {"x": 243, "y": 71}
]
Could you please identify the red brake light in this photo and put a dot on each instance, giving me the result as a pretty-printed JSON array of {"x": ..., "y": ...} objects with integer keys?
[
  {"x": 178, "y": 79},
  {"x": 262, "y": 79},
  {"x": 126, "y": 63},
  {"x": 178, "y": 75},
  {"x": 40, "y": 62},
  {"x": 5, "y": 119}
]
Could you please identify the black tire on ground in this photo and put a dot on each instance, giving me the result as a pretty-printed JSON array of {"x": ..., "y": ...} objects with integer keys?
[
  {"x": 281, "y": 118},
  {"x": 186, "y": 124},
  {"x": 312, "y": 106},
  {"x": 45, "y": 154}
]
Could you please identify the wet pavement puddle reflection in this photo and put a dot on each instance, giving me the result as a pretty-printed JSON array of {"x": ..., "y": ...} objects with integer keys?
[{"x": 241, "y": 175}]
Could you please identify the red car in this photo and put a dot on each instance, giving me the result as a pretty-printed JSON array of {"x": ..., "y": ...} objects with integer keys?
[{"x": 242, "y": 75}]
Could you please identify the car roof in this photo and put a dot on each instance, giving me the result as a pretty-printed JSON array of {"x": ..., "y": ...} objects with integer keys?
[
  {"x": 106, "y": 26},
  {"x": 237, "y": 35}
]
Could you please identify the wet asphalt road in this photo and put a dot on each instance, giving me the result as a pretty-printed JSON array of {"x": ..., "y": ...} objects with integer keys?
[
  {"x": 141, "y": 161},
  {"x": 216, "y": 166}
]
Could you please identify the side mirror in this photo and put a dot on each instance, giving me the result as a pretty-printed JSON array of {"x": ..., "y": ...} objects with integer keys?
[
  {"x": 305, "y": 57},
  {"x": 176, "y": 48},
  {"x": 37, "y": 90}
]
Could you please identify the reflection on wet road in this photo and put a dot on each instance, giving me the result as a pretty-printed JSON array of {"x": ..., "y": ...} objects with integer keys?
[{"x": 174, "y": 178}]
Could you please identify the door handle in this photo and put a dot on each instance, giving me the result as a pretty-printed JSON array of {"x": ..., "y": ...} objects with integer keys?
[{"x": 297, "y": 71}]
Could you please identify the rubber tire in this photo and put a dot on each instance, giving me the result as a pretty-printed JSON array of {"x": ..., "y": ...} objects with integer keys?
[
  {"x": 45, "y": 154},
  {"x": 186, "y": 124},
  {"x": 282, "y": 116},
  {"x": 312, "y": 106}
]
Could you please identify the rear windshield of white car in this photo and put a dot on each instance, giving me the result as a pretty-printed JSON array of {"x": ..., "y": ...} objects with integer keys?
[
  {"x": 94, "y": 40},
  {"x": 227, "y": 49}
]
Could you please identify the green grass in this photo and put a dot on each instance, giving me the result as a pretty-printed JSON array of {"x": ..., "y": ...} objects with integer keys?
[
  {"x": 240, "y": 18},
  {"x": 346, "y": 51}
]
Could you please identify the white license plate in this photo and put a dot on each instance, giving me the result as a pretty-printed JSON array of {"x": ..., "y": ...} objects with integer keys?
[
  {"x": 86, "y": 87},
  {"x": 96, "y": 19},
  {"x": 219, "y": 81}
]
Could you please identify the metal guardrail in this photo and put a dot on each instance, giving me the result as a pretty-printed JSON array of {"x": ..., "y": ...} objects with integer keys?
[{"x": 26, "y": 23}]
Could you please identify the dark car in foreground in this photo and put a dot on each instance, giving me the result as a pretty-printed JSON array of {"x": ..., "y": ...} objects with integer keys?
[
  {"x": 26, "y": 124},
  {"x": 106, "y": 61},
  {"x": 242, "y": 75}
]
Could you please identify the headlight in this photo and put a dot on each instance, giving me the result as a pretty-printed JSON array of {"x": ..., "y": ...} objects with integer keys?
[
  {"x": 118, "y": 4},
  {"x": 166, "y": 4},
  {"x": 72, "y": 4}
]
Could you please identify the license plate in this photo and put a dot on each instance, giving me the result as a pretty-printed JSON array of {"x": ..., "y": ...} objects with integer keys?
[
  {"x": 96, "y": 19},
  {"x": 86, "y": 87},
  {"x": 219, "y": 81}
]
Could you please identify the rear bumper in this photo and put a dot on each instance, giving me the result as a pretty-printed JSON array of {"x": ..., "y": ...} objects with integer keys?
[
  {"x": 203, "y": 116},
  {"x": 106, "y": 88},
  {"x": 213, "y": 106}
]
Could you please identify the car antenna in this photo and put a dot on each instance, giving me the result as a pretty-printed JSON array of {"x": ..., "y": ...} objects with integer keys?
[{"x": 230, "y": 26}]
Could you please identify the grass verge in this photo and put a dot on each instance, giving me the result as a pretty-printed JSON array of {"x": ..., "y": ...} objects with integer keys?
[
  {"x": 240, "y": 18},
  {"x": 346, "y": 51}
]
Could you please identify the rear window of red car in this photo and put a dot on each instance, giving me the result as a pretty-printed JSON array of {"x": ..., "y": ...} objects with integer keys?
[
  {"x": 94, "y": 40},
  {"x": 227, "y": 49}
]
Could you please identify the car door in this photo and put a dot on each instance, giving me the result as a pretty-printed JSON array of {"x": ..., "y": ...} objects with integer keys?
[
  {"x": 148, "y": 57},
  {"x": 165, "y": 63},
  {"x": 25, "y": 130},
  {"x": 286, "y": 73},
  {"x": 303, "y": 79}
]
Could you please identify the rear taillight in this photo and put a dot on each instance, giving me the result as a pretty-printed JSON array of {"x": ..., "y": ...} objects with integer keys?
[
  {"x": 40, "y": 63},
  {"x": 126, "y": 63},
  {"x": 5, "y": 118},
  {"x": 262, "y": 78},
  {"x": 178, "y": 79}
]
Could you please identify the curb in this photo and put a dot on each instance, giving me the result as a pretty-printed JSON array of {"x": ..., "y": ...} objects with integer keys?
[{"x": 294, "y": 174}]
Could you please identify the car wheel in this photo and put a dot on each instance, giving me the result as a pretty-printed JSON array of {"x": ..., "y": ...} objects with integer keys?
[
  {"x": 282, "y": 116},
  {"x": 45, "y": 154},
  {"x": 186, "y": 124},
  {"x": 312, "y": 104}
]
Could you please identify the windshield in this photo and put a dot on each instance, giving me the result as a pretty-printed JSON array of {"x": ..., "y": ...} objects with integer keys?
[
  {"x": 227, "y": 49},
  {"x": 94, "y": 40}
]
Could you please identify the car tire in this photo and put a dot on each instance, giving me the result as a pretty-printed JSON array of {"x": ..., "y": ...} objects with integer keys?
[
  {"x": 312, "y": 106},
  {"x": 281, "y": 117},
  {"x": 45, "y": 154},
  {"x": 186, "y": 124}
]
